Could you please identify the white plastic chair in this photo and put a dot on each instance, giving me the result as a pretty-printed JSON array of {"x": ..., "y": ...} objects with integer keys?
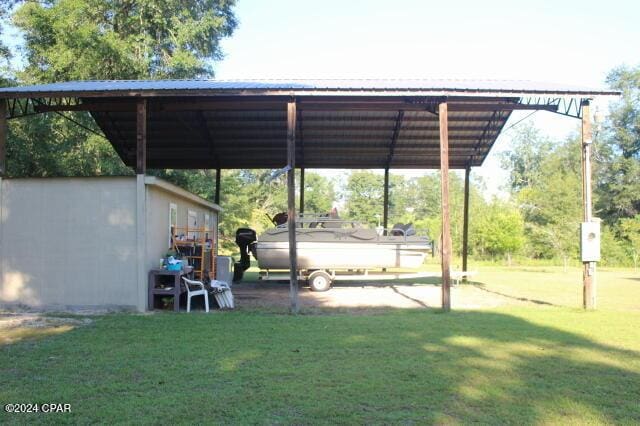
[{"x": 190, "y": 293}]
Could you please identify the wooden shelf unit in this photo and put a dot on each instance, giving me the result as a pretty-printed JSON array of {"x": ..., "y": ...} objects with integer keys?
[{"x": 191, "y": 244}]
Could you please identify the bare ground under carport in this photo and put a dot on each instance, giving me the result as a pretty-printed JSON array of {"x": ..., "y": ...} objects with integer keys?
[{"x": 371, "y": 295}]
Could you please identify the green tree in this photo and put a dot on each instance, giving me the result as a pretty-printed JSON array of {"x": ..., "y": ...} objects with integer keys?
[
  {"x": 425, "y": 203},
  {"x": 401, "y": 201},
  {"x": 95, "y": 39},
  {"x": 618, "y": 183},
  {"x": 319, "y": 193},
  {"x": 545, "y": 181},
  {"x": 5, "y": 10},
  {"x": 497, "y": 229},
  {"x": 364, "y": 194},
  {"x": 630, "y": 230},
  {"x": 6, "y": 76},
  {"x": 364, "y": 198},
  {"x": 529, "y": 148},
  {"x": 614, "y": 250},
  {"x": 551, "y": 204},
  {"x": 50, "y": 145},
  {"x": 109, "y": 39}
]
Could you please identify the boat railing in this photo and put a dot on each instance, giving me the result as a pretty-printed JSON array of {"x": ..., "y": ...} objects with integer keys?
[
  {"x": 309, "y": 218},
  {"x": 312, "y": 220},
  {"x": 395, "y": 232}
]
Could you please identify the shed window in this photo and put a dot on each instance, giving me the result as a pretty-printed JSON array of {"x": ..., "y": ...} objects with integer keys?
[
  {"x": 192, "y": 223},
  {"x": 173, "y": 221}
]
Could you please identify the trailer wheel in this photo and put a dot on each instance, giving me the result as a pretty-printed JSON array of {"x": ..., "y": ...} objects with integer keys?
[{"x": 319, "y": 281}]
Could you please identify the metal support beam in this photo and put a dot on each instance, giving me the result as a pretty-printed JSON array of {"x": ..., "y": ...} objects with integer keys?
[
  {"x": 394, "y": 137},
  {"x": 3, "y": 137},
  {"x": 270, "y": 104},
  {"x": 589, "y": 268},
  {"x": 141, "y": 136},
  {"x": 291, "y": 212},
  {"x": 446, "y": 228},
  {"x": 465, "y": 227},
  {"x": 385, "y": 215},
  {"x": 218, "y": 178},
  {"x": 302, "y": 190}
]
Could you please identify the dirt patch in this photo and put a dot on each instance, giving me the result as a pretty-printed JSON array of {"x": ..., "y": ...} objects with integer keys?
[
  {"x": 20, "y": 325},
  {"x": 357, "y": 296},
  {"x": 21, "y": 320}
]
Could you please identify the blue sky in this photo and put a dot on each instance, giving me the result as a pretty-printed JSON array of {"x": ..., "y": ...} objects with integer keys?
[{"x": 563, "y": 41}]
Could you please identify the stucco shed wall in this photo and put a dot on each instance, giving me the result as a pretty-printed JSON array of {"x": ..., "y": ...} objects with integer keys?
[{"x": 68, "y": 242}]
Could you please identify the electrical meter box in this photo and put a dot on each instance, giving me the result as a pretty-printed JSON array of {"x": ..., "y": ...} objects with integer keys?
[{"x": 590, "y": 241}]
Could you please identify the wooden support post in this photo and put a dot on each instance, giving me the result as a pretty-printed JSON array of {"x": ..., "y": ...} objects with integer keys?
[
  {"x": 385, "y": 212},
  {"x": 589, "y": 268},
  {"x": 465, "y": 227},
  {"x": 3, "y": 137},
  {"x": 141, "y": 215},
  {"x": 444, "y": 186},
  {"x": 291, "y": 198},
  {"x": 216, "y": 199},
  {"x": 218, "y": 178},
  {"x": 141, "y": 137},
  {"x": 3, "y": 158},
  {"x": 301, "y": 190}
]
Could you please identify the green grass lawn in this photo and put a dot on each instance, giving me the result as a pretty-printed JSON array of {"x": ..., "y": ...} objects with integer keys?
[
  {"x": 617, "y": 288},
  {"x": 545, "y": 363}
]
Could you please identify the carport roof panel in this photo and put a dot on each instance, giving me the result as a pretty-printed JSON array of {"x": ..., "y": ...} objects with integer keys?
[
  {"x": 231, "y": 139},
  {"x": 341, "y": 123},
  {"x": 347, "y": 87}
]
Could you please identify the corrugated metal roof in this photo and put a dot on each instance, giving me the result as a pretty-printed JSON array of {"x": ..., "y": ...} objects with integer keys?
[
  {"x": 431, "y": 87},
  {"x": 195, "y": 124},
  {"x": 325, "y": 139}
]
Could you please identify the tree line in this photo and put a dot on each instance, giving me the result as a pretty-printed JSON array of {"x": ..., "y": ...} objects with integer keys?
[{"x": 148, "y": 39}]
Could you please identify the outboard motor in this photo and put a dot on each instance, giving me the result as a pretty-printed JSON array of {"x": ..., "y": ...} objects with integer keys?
[{"x": 245, "y": 239}]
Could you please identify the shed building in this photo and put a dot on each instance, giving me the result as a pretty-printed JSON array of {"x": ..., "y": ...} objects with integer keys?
[{"x": 74, "y": 242}]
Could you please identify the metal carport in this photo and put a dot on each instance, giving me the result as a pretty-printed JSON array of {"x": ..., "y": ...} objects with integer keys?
[{"x": 350, "y": 124}]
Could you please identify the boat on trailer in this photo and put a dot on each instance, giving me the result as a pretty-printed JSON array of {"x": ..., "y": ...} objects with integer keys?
[{"x": 326, "y": 244}]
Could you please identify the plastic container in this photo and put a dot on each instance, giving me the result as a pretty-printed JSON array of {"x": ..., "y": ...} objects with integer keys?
[{"x": 175, "y": 267}]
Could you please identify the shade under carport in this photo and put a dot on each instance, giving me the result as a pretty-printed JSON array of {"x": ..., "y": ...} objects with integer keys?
[{"x": 351, "y": 124}]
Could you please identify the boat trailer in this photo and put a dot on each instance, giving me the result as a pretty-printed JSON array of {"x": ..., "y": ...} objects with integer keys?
[{"x": 323, "y": 279}]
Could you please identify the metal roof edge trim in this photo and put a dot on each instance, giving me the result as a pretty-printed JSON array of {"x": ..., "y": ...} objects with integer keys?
[
  {"x": 213, "y": 93},
  {"x": 345, "y": 87},
  {"x": 169, "y": 187}
]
